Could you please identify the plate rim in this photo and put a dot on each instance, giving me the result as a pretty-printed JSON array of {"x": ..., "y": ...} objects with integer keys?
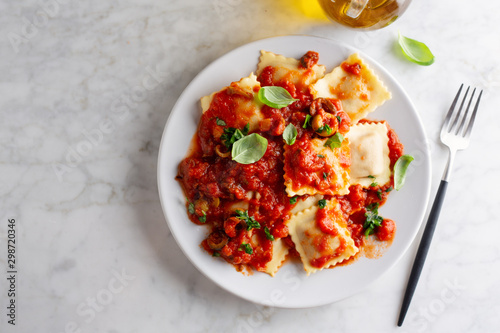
[{"x": 386, "y": 73}]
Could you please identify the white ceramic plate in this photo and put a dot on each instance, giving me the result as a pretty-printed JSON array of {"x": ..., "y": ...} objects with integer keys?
[{"x": 291, "y": 288}]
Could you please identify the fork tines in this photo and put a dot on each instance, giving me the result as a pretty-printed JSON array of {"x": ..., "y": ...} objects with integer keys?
[{"x": 460, "y": 122}]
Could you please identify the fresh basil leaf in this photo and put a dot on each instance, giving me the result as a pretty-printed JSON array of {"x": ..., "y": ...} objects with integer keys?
[
  {"x": 339, "y": 119},
  {"x": 268, "y": 234},
  {"x": 249, "y": 149},
  {"x": 416, "y": 51},
  {"x": 246, "y": 129},
  {"x": 220, "y": 122},
  {"x": 334, "y": 141},
  {"x": 293, "y": 200},
  {"x": 275, "y": 97},
  {"x": 400, "y": 170},
  {"x": 306, "y": 122},
  {"x": 290, "y": 134},
  {"x": 322, "y": 203},
  {"x": 231, "y": 135},
  {"x": 246, "y": 247},
  {"x": 373, "y": 184},
  {"x": 371, "y": 177}
]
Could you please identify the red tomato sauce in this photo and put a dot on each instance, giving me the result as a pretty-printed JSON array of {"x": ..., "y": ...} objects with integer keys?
[{"x": 215, "y": 184}]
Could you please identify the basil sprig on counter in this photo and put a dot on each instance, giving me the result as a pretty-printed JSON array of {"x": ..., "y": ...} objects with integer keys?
[
  {"x": 416, "y": 51},
  {"x": 290, "y": 134},
  {"x": 400, "y": 170},
  {"x": 249, "y": 149},
  {"x": 275, "y": 97}
]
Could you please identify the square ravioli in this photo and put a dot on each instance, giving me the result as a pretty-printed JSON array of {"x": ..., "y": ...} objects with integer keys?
[
  {"x": 281, "y": 70},
  {"x": 321, "y": 236},
  {"x": 370, "y": 162},
  {"x": 236, "y": 104},
  {"x": 356, "y": 85},
  {"x": 313, "y": 168}
]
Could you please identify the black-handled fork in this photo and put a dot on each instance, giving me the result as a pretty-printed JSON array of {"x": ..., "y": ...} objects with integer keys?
[{"x": 455, "y": 134}]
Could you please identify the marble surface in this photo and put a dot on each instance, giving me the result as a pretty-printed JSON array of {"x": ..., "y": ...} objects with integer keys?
[{"x": 86, "y": 89}]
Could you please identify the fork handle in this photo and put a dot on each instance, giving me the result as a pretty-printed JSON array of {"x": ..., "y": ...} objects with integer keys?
[{"x": 423, "y": 248}]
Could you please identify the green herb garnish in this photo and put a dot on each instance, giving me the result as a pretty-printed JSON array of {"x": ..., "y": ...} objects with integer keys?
[
  {"x": 216, "y": 254},
  {"x": 416, "y": 51},
  {"x": 389, "y": 189},
  {"x": 246, "y": 247},
  {"x": 268, "y": 234},
  {"x": 334, "y": 141},
  {"x": 249, "y": 220},
  {"x": 231, "y": 135},
  {"x": 290, "y": 134},
  {"x": 325, "y": 128},
  {"x": 203, "y": 218},
  {"x": 372, "y": 219},
  {"x": 306, "y": 122},
  {"x": 293, "y": 200},
  {"x": 322, "y": 203},
  {"x": 339, "y": 119},
  {"x": 275, "y": 97},
  {"x": 379, "y": 194},
  {"x": 321, "y": 156},
  {"x": 191, "y": 208},
  {"x": 371, "y": 177},
  {"x": 220, "y": 122},
  {"x": 373, "y": 184},
  {"x": 249, "y": 149},
  {"x": 400, "y": 170},
  {"x": 325, "y": 175}
]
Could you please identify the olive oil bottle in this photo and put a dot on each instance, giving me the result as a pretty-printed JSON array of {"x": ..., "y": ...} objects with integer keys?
[{"x": 364, "y": 14}]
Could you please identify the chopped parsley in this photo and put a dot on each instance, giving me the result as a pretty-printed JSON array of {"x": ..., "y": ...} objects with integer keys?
[
  {"x": 246, "y": 247},
  {"x": 325, "y": 175},
  {"x": 321, "y": 156},
  {"x": 268, "y": 234},
  {"x": 191, "y": 208},
  {"x": 372, "y": 219},
  {"x": 231, "y": 135},
  {"x": 325, "y": 128},
  {"x": 389, "y": 189},
  {"x": 306, "y": 122},
  {"x": 293, "y": 200},
  {"x": 216, "y": 254},
  {"x": 371, "y": 177},
  {"x": 203, "y": 218},
  {"x": 322, "y": 203},
  {"x": 220, "y": 122},
  {"x": 373, "y": 184},
  {"x": 339, "y": 119},
  {"x": 249, "y": 220},
  {"x": 379, "y": 194}
]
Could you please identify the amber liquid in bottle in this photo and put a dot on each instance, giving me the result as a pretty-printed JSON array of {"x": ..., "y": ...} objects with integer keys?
[{"x": 367, "y": 14}]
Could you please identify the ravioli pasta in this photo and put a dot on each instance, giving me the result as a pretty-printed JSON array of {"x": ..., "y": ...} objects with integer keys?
[{"x": 306, "y": 200}]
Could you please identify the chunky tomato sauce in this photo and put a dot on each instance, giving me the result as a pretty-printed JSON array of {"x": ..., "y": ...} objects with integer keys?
[{"x": 217, "y": 187}]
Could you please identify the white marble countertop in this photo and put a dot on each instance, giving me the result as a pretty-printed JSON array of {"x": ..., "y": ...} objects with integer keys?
[{"x": 94, "y": 253}]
